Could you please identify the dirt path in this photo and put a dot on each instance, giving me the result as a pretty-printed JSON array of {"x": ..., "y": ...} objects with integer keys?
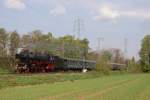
[
  {"x": 62, "y": 94},
  {"x": 81, "y": 91},
  {"x": 118, "y": 85}
]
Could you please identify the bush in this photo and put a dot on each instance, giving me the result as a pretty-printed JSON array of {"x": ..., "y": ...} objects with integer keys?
[
  {"x": 133, "y": 66},
  {"x": 103, "y": 66},
  {"x": 7, "y": 63},
  {"x": 145, "y": 68}
]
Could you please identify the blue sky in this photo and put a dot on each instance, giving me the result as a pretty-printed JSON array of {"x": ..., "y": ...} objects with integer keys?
[{"x": 113, "y": 20}]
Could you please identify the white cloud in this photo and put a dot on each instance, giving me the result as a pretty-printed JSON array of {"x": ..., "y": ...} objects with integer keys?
[
  {"x": 58, "y": 10},
  {"x": 15, "y": 4},
  {"x": 106, "y": 12}
]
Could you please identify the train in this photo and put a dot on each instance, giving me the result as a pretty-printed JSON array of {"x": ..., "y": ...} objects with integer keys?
[{"x": 27, "y": 61}]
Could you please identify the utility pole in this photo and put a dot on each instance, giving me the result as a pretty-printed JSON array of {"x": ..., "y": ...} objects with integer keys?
[
  {"x": 125, "y": 47},
  {"x": 62, "y": 48},
  {"x": 78, "y": 27},
  {"x": 100, "y": 39}
]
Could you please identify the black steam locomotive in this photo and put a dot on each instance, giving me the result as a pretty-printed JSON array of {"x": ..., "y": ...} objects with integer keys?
[{"x": 41, "y": 62}]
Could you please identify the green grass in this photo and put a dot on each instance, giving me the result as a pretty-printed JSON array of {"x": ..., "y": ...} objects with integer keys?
[
  {"x": 4, "y": 71},
  {"x": 8, "y": 79},
  {"x": 11, "y": 80},
  {"x": 114, "y": 87}
]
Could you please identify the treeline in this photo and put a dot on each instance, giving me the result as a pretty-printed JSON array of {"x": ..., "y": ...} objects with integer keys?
[
  {"x": 36, "y": 41},
  {"x": 131, "y": 65},
  {"x": 108, "y": 61},
  {"x": 66, "y": 46},
  {"x": 70, "y": 47}
]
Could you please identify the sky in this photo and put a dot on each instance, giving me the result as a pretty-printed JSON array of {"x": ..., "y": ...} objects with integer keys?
[{"x": 113, "y": 20}]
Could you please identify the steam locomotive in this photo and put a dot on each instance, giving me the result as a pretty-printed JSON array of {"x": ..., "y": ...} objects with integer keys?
[{"x": 42, "y": 62}]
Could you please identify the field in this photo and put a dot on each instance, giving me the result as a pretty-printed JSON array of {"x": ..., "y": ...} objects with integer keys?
[
  {"x": 11, "y": 80},
  {"x": 114, "y": 87}
]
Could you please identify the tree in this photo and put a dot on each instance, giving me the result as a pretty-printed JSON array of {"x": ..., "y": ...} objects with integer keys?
[
  {"x": 92, "y": 56},
  {"x": 14, "y": 42},
  {"x": 102, "y": 63},
  {"x": 145, "y": 54},
  {"x": 3, "y": 41},
  {"x": 50, "y": 35},
  {"x": 118, "y": 56},
  {"x": 85, "y": 47},
  {"x": 47, "y": 37},
  {"x": 36, "y": 35},
  {"x": 70, "y": 46},
  {"x": 106, "y": 55},
  {"x": 26, "y": 39},
  {"x": 133, "y": 66}
]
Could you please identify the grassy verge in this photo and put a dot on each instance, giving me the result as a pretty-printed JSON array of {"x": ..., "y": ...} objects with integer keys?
[
  {"x": 114, "y": 87},
  {"x": 10, "y": 80},
  {"x": 4, "y": 71}
]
